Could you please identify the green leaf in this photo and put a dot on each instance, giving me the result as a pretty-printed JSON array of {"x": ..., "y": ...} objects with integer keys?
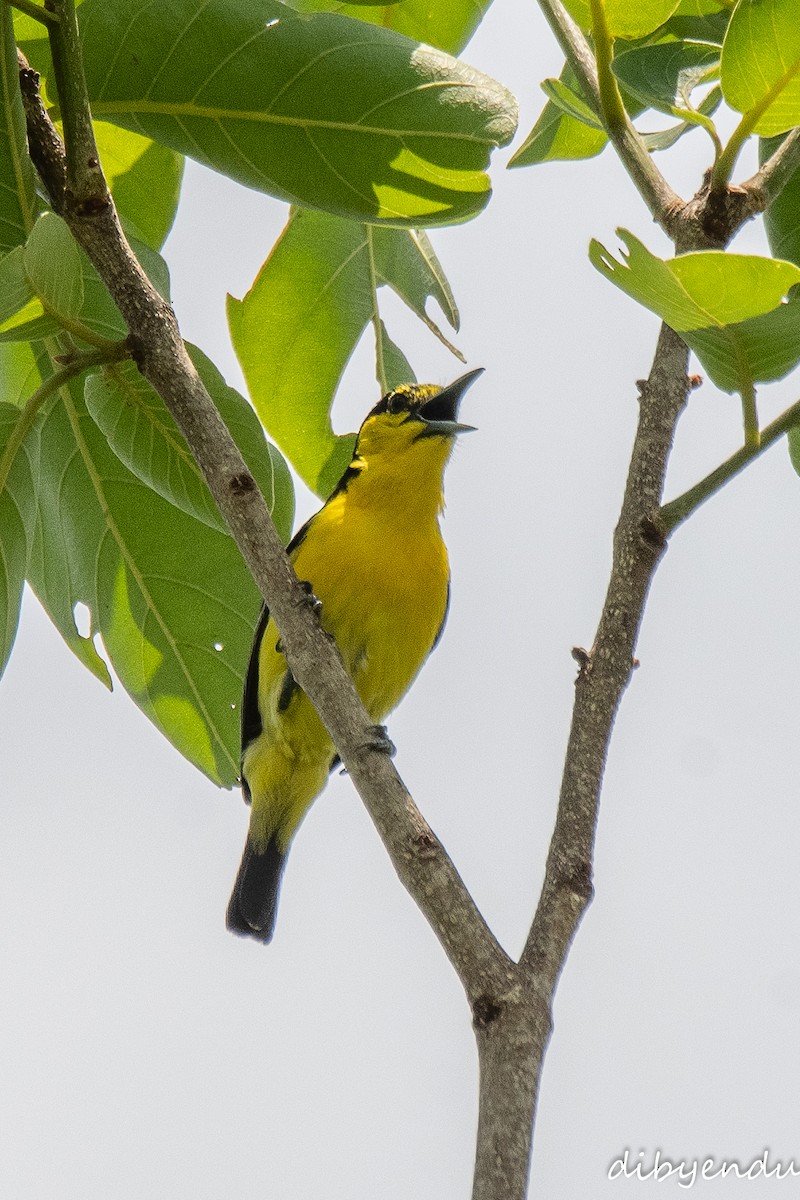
[
  {"x": 143, "y": 435},
  {"x": 17, "y": 195},
  {"x": 170, "y": 597},
  {"x": 19, "y": 373},
  {"x": 144, "y": 178},
  {"x": 570, "y": 102},
  {"x": 393, "y": 366},
  {"x": 782, "y": 218},
  {"x": 701, "y": 8},
  {"x": 759, "y": 350},
  {"x": 69, "y": 290},
  {"x": 447, "y": 25},
  {"x": 405, "y": 261},
  {"x": 315, "y": 295},
  {"x": 761, "y": 64},
  {"x": 728, "y": 307},
  {"x": 323, "y": 111},
  {"x": 15, "y": 290},
  {"x": 557, "y": 136},
  {"x": 710, "y": 27},
  {"x": 625, "y": 19},
  {"x": 17, "y": 524},
  {"x": 53, "y": 268},
  {"x": 663, "y": 76}
]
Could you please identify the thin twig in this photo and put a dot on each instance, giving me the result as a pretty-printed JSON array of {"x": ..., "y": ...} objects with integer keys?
[
  {"x": 29, "y": 412},
  {"x": 671, "y": 515}
]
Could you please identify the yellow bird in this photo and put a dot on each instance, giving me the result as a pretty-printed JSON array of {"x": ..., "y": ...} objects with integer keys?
[{"x": 375, "y": 559}]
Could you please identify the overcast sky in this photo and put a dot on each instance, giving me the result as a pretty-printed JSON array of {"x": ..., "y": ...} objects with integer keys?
[{"x": 145, "y": 1052}]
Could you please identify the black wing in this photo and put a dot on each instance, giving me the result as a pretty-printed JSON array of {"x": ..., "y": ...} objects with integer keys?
[{"x": 251, "y": 717}]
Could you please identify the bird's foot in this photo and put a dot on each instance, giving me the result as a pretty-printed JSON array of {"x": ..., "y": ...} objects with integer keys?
[{"x": 379, "y": 740}]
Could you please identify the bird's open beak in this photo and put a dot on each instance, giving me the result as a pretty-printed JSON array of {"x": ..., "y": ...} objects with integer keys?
[{"x": 440, "y": 414}]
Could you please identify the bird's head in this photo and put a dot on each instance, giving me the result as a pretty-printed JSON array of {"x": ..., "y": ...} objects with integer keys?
[{"x": 415, "y": 417}]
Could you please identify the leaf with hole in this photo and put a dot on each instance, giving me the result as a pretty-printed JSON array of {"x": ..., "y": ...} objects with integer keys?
[
  {"x": 170, "y": 597},
  {"x": 729, "y": 308}
]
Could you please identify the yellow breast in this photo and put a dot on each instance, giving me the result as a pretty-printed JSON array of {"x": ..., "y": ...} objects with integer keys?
[{"x": 383, "y": 588}]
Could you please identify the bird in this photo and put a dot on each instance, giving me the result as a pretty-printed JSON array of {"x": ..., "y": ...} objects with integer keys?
[{"x": 374, "y": 560}]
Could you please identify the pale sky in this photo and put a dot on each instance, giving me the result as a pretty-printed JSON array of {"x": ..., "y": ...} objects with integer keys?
[{"x": 146, "y": 1052}]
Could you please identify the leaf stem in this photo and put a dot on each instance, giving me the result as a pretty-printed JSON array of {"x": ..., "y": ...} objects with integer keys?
[
  {"x": 611, "y": 106},
  {"x": 676, "y": 511},
  {"x": 752, "y": 434},
  {"x": 116, "y": 352}
]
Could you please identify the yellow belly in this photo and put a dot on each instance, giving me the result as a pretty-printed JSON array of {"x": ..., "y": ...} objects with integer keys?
[{"x": 384, "y": 600}]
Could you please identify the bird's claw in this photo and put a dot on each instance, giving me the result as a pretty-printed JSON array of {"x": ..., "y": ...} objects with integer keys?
[{"x": 380, "y": 741}]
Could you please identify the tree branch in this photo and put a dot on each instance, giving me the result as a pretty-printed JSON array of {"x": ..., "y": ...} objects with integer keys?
[
  {"x": 82, "y": 199},
  {"x": 770, "y": 180},
  {"x": 513, "y": 1038}
]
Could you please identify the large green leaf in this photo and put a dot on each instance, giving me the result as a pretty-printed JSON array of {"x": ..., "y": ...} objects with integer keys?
[
  {"x": 448, "y": 24},
  {"x": 17, "y": 197},
  {"x": 171, "y": 597},
  {"x": 323, "y": 110},
  {"x": 141, "y": 432},
  {"x": 17, "y": 522},
  {"x": 761, "y": 63},
  {"x": 728, "y": 307},
  {"x": 144, "y": 178},
  {"x": 296, "y": 328}
]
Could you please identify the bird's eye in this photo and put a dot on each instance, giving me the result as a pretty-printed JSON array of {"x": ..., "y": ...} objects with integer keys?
[{"x": 396, "y": 403}]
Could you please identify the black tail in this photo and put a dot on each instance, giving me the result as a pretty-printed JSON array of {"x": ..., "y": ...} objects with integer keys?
[{"x": 254, "y": 901}]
